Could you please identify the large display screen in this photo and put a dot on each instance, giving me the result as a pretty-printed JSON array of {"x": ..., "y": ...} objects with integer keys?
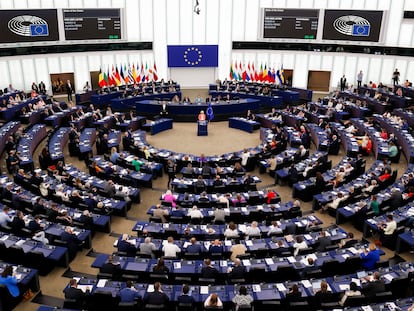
[
  {"x": 90, "y": 24},
  {"x": 28, "y": 26},
  {"x": 290, "y": 23},
  {"x": 352, "y": 25}
]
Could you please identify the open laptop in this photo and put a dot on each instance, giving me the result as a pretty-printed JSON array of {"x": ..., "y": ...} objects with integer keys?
[{"x": 361, "y": 274}]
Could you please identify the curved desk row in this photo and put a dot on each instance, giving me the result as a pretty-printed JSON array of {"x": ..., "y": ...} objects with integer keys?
[
  {"x": 28, "y": 144},
  {"x": 117, "y": 102},
  {"x": 189, "y": 111},
  {"x": 5, "y": 131}
]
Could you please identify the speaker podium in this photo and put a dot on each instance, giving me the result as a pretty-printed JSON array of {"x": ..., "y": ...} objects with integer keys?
[{"x": 202, "y": 128}]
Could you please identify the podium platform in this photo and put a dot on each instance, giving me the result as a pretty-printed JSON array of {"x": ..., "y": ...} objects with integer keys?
[{"x": 202, "y": 128}]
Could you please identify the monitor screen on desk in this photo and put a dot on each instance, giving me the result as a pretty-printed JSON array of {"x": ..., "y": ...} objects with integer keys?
[{"x": 316, "y": 285}]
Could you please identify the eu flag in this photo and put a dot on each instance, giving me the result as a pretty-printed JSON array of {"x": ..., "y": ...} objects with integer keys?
[
  {"x": 192, "y": 55},
  {"x": 210, "y": 114},
  {"x": 39, "y": 30},
  {"x": 361, "y": 30}
]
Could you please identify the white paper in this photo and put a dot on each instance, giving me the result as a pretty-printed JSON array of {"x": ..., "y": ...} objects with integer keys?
[
  {"x": 101, "y": 283},
  {"x": 246, "y": 262},
  {"x": 4, "y": 238},
  {"x": 203, "y": 289},
  {"x": 249, "y": 243},
  {"x": 281, "y": 287},
  {"x": 343, "y": 287},
  {"x": 84, "y": 287},
  {"x": 177, "y": 265},
  {"x": 256, "y": 288},
  {"x": 307, "y": 283},
  {"x": 389, "y": 277},
  {"x": 291, "y": 259},
  {"x": 20, "y": 242},
  {"x": 150, "y": 288},
  {"x": 356, "y": 281},
  {"x": 269, "y": 261}
]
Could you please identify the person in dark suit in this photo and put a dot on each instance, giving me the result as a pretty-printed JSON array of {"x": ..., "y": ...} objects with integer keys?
[
  {"x": 216, "y": 247},
  {"x": 69, "y": 90},
  {"x": 323, "y": 241},
  {"x": 323, "y": 295},
  {"x": 293, "y": 175},
  {"x": 71, "y": 240},
  {"x": 194, "y": 247},
  {"x": 294, "y": 294},
  {"x": 73, "y": 292},
  {"x": 112, "y": 268},
  {"x": 238, "y": 271},
  {"x": 376, "y": 285},
  {"x": 157, "y": 297},
  {"x": 185, "y": 297},
  {"x": 334, "y": 145},
  {"x": 126, "y": 247},
  {"x": 281, "y": 249},
  {"x": 209, "y": 271},
  {"x": 309, "y": 268},
  {"x": 129, "y": 293}
]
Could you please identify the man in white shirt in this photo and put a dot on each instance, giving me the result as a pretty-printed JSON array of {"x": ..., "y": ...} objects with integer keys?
[
  {"x": 245, "y": 156},
  {"x": 170, "y": 249},
  {"x": 388, "y": 230}
]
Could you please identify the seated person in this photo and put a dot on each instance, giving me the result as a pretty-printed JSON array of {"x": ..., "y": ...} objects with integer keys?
[
  {"x": 185, "y": 297},
  {"x": 353, "y": 291},
  {"x": 160, "y": 267},
  {"x": 125, "y": 246},
  {"x": 231, "y": 232},
  {"x": 194, "y": 247},
  {"x": 238, "y": 271},
  {"x": 369, "y": 257},
  {"x": 129, "y": 293},
  {"x": 216, "y": 247},
  {"x": 209, "y": 271}
]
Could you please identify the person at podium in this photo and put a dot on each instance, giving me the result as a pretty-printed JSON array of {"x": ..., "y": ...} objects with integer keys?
[{"x": 201, "y": 116}]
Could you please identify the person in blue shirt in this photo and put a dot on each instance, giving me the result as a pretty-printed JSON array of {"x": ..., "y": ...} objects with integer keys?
[
  {"x": 129, "y": 293},
  {"x": 194, "y": 247},
  {"x": 369, "y": 257},
  {"x": 10, "y": 281}
]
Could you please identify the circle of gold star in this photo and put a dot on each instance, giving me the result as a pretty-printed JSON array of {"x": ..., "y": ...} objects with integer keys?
[{"x": 193, "y": 56}]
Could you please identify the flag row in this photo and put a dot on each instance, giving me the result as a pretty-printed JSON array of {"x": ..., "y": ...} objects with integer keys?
[
  {"x": 241, "y": 72},
  {"x": 127, "y": 74}
]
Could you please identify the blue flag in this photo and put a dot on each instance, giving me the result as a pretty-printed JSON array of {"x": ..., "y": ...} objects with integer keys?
[
  {"x": 210, "y": 114},
  {"x": 192, "y": 55}
]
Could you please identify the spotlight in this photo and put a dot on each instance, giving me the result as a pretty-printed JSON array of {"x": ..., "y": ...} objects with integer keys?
[{"x": 197, "y": 8}]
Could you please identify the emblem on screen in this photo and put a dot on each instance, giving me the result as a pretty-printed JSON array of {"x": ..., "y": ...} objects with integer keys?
[
  {"x": 28, "y": 26},
  {"x": 351, "y": 25}
]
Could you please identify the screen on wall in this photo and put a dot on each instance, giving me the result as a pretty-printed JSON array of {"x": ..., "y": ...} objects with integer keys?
[
  {"x": 352, "y": 25},
  {"x": 290, "y": 23},
  {"x": 28, "y": 26},
  {"x": 90, "y": 24}
]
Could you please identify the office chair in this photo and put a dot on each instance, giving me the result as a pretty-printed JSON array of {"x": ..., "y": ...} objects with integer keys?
[
  {"x": 184, "y": 307},
  {"x": 355, "y": 301},
  {"x": 149, "y": 307}
]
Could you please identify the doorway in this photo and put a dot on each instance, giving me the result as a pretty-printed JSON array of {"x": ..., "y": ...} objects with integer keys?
[
  {"x": 94, "y": 79},
  {"x": 319, "y": 80},
  {"x": 58, "y": 82}
]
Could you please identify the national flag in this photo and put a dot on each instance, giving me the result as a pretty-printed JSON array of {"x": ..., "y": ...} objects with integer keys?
[
  {"x": 209, "y": 112},
  {"x": 111, "y": 76},
  {"x": 146, "y": 72},
  {"x": 126, "y": 76},
  {"x": 142, "y": 74},
  {"x": 240, "y": 71},
  {"x": 281, "y": 75},
  {"x": 134, "y": 73},
  {"x": 117, "y": 77},
  {"x": 260, "y": 73},
  {"x": 272, "y": 76},
  {"x": 130, "y": 76},
  {"x": 101, "y": 80},
  {"x": 122, "y": 77},
  {"x": 106, "y": 78},
  {"x": 264, "y": 74},
  {"x": 244, "y": 74},
  {"x": 248, "y": 73},
  {"x": 154, "y": 72},
  {"x": 254, "y": 74},
  {"x": 231, "y": 75}
]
